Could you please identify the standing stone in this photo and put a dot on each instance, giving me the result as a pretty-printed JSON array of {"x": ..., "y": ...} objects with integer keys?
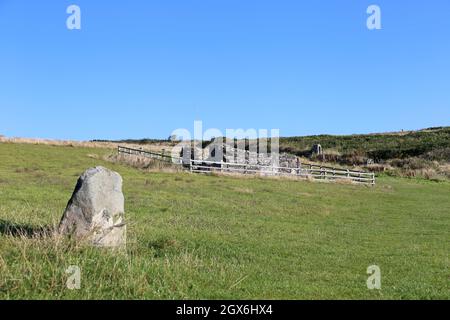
[
  {"x": 317, "y": 149},
  {"x": 96, "y": 210}
]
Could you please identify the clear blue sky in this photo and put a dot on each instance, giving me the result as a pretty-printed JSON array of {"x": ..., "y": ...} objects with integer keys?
[{"x": 144, "y": 68}]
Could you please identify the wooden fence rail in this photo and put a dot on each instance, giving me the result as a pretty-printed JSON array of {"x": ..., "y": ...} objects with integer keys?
[
  {"x": 148, "y": 154},
  {"x": 312, "y": 171},
  {"x": 308, "y": 171}
]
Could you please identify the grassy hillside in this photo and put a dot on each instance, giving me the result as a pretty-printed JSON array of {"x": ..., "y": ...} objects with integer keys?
[
  {"x": 423, "y": 153},
  {"x": 221, "y": 237},
  {"x": 431, "y": 144},
  {"x": 380, "y": 146}
]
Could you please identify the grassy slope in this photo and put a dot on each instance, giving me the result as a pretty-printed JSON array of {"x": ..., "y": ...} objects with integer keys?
[
  {"x": 381, "y": 146},
  {"x": 222, "y": 237}
]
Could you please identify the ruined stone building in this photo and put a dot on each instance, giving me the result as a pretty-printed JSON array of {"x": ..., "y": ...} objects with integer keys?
[{"x": 231, "y": 153}]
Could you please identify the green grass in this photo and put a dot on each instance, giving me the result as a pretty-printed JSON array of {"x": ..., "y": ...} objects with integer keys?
[{"x": 201, "y": 237}]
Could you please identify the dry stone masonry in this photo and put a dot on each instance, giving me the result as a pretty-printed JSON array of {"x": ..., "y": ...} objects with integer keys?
[{"x": 218, "y": 152}]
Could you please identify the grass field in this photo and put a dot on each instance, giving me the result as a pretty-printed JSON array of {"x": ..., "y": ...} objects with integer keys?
[{"x": 208, "y": 237}]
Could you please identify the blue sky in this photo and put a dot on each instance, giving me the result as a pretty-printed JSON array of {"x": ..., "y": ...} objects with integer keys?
[{"x": 144, "y": 68}]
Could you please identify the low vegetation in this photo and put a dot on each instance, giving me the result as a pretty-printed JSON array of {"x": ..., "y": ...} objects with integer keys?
[
  {"x": 433, "y": 142},
  {"x": 424, "y": 153},
  {"x": 199, "y": 237}
]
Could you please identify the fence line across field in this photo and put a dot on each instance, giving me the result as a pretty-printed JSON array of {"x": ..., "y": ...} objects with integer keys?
[
  {"x": 303, "y": 171},
  {"x": 148, "y": 154},
  {"x": 204, "y": 166}
]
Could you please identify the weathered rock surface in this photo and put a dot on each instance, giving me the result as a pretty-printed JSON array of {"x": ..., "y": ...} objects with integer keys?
[{"x": 95, "y": 212}]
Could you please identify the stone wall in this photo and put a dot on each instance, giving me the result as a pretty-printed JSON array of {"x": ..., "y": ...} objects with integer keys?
[{"x": 229, "y": 154}]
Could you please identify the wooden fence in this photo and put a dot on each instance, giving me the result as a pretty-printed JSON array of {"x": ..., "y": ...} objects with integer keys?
[
  {"x": 305, "y": 171},
  {"x": 308, "y": 171},
  {"x": 148, "y": 154}
]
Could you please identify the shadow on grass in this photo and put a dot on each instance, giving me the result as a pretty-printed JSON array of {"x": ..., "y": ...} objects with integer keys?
[
  {"x": 163, "y": 246},
  {"x": 24, "y": 230}
]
